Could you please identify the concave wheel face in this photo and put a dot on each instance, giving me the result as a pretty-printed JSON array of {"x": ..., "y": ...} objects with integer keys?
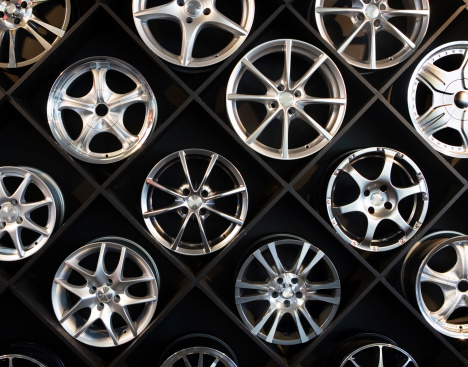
[
  {"x": 378, "y": 354},
  {"x": 29, "y": 28},
  {"x": 192, "y": 16},
  {"x": 105, "y": 293},
  {"x": 96, "y": 100},
  {"x": 440, "y": 81},
  {"x": 199, "y": 356},
  {"x": 287, "y": 291},
  {"x": 194, "y": 202},
  {"x": 302, "y": 99},
  {"x": 377, "y": 199},
  {"x": 371, "y": 34},
  {"x": 31, "y": 205}
]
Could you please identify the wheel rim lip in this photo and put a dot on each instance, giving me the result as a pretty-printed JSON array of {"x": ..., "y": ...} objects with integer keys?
[
  {"x": 22, "y": 356},
  {"x": 330, "y": 68},
  {"x": 378, "y": 345},
  {"x": 223, "y": 358},
  {"x": 405, "y": 52},
  {"x": 149, "y": 40},
  {"x": 243, "y": 269},
  {"x": 412, "y": 88},
  {"x": 194, "y": 249},
  {"x": 77, "y": 70},
  {"x": 329, "y": 196},
  {"x": 85, "y": 337},
  {"x": 47, "y": 186}
]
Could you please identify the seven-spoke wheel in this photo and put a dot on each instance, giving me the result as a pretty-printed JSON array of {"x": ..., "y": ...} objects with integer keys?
[
  {"x": 287, "y": 291},
  {"x": 305, "y": 106},
  {"x": 79, "y": 118},
  {"x": 390, "y": 199},
  {"x": 103, "y": 306}
]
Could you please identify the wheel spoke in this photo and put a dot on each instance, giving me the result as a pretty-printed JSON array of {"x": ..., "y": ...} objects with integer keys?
[
  {"x": 245, "y": 284},
  {"x": 167, "y": 209},
  {"x": 75, "y": 104},
  {"x": 315, "y": 66},
  {"x": 407, "y": 191},
  {"x": 400, "y": 222},
  {"x": 223, "y": 194},
  {"x": 127, "y": 300},
  {"x": 300, "y": 258},
  {"x": 200, "y": 359},
  {"x": 126, "y": 138},
  {"x": 219, "y": 20},
  {"x": 120, "y": 265},
  {"x": 390, "y": 13},
  {"x": 80, "y": 291},
  {"x": 251, "y": 98},
  {"x": 324, "y": 298},
  {"x": 272, "y": 332},
  {"x": 21, "y": 190},
  {"x": 360, "y": 180},
  {"x": 372, "y": 48},
  {"x": 15, "y": 237},
  {"x": 82, "y": 303},
  {"x": 29, "y": 224},
  {"x": 318, "y": 330},
  {"x": 215, "y": 363},
  {"x": 464, "y": 70},
  {"x": 372, "y": 224},
  {"x": 300, "y": 328},
  {"x": 252, "y": 298},
  {"x": 166, "y": 11},
  {"x": 57, "y": 31},
  {"x": 339, "y": 11},
  {"x": 100, "y": 273},
  {"x": 3, "y": 190},
  {"x": 443, "y": 280},
  {"x": 183, "y": 161},
  {"x": 351, "y": 37},
  {"x": 315, "y": 286},
  {"x": 12, "y": 52},
  {"x": 123, "y": 312},
  {"x": 214, "y": 158},
  {"x": 100, "y": 89},
  {"x": 389, "y": 27},
  {"x": 461, "y": 266},
  {"x": 269, "y": 118},
  {"x": 381, "y": 356},
  {"x": 251, "y": 67},
  {"x": 279, "y": 266},
  {"x": 317, "y": 100},
  {"x": 285, "y": 135},
  {"x": 264, "y": 319},
  {"x": 189, "y": 35},
  {"x": 355, "y": 206},
  {"x": 95, "y": 315},
  {"x": 87, "y": 134},
  {"x": 318, "y": 256},
  {"x": 124, "y": 100},
  {"x": 178, "y": 239},
  {"x": 287, "y": 63},
  {"x": 128, "y": 282},
  {"x": 386, "y": 173},
  {"x": 206, "y": 245},
  {"x": 230, "y": 218},
  {"x": 433, "y": 77},
  {"x": 433, "y": 120},
  {"x": 314, "y": 124},
  {"x": 46, "y": 45},
  {"x": 85, "y": 273},
  {"x": 258, "y": 255},
  {"x": 449, "y": 306},
  {"x": 106, "y": 320},
  {"x": 166, "y": 189}
]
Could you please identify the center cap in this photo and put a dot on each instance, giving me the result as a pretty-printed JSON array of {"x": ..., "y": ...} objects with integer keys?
[
  {"x": 193, "y": 8},
  {"x": 372, "y": 12},
  {"x": 11, "y": 8},
  {"x": 287, "y": 292},
  {"x": 286, "y": 99},
  {"x": 194, "y": 202},
  {"x": 461, "y": 99},
  {"x": 104, "y": 294},
  {"x": 377, "y": 199},
  {"x": 9, "y": 213}
]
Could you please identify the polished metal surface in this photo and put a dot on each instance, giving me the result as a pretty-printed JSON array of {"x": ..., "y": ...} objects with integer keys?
[
  {"x": 199, "y": 357},
  {"x": 448, "y": 105},
  {"x": 101, "y": 110},
  {"x": 361, "y": 24},
  {"x": 14, "y": 360},
  {"x": 193, "y": 16},
  {"x": 365, "y": 356},
  {"x": 286, "y": 99}
]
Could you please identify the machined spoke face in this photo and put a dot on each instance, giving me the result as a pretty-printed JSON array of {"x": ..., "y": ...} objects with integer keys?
[
  {"x": 438, "y": 99},
  {"x": 296, "y": 305},
  {"x": 192, "y": 16},
  {"x": 378, "y": 355},
  {"x": 371, "y": 18},
  {"x": 102, "y": 111},
  {"x": 388, "y": 224},
  {"x": 106, "y": 293},
  {"x": 199, "y": 357},
  {"x": 286, "y": 100},
  {"x": 180, "y": 190}
]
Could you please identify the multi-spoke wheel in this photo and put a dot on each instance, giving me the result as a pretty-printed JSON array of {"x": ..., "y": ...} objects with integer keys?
[
  {"x": 30, "y": 33},
  {"x": 304, "y": 103},
  {"x": 101, "y": 110},
  {"x": 287, "y": 291},
  {"x": 389, "y": 199},
  {"x": 441, "y": 79},
  {"x": 31, "y": 205},
  {"x": 105, "y": 293},
  {"x": 370, "y": 34},
  {"x": 192, "y": 16},
  {"x": 28, "y": 355},
  {"x": 194, "y": 202},
  {"x": 435, "y": 277}
]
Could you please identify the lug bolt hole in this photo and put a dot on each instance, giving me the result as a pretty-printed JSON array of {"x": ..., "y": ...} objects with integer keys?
[
  {"x": 24, "y": 4},
  {"x": 17, "y": 21},
  {"x": 360, "y": 16},
  {"x": 274, "y": 294},
  {"x": 109, "y": 282},
  {"x": 117, "y": 299},
  {"x": 297, "y": 94},
  {"x": 279, "y": 280},
  {"x": 280, "y": 87},
  {"x": 100, "y": 306},
  {"x": 383, "y": 188},
  {"x": 184, "y": 210},
  {"x": 274, "y": 105},
  {"x": 371, "y": 210},
  {"x": 19, "y": 220},
  {"x": 287, "y": 303},
  {"x": 2, "y": 14},
  {"x": 377, "y": 23},
  {"x": 382, "y": 7},
  {"x": 291, "y": 111},
  {"x": 189, "y": 20},
  {"x": 299, "y": 294},
  {"x": 186, "y": 192},
  {"x": 92, "y": 290},
  {"x": 180, "y": 2},
  {"x": 366, "y": 193},
  {"x": 203, "y": 211},
  {"x": 204, "y": 193},
  {"x": 388, "y": 205},
  {"x": 366, "y": 1},
  {"x": 206, "y": 11},
  {"x": 294, "y": 280},
  {"x": 14, "y": 202}
]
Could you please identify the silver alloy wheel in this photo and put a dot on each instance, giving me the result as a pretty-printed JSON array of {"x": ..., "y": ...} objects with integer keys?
[
  {"x": 286, "y": 99},
  {"x": 307, "y": 292},
  {"x": 383, "y": 351},
  {"x": 12, "y": 357},
  {"x": 378, "y": 200},
  {"x": 20, "y": 15},
  {"x": 449, "y": 99},
  {"x": 16, "y": 209},
  {"x": 106, "y": 293},
  {"x": 101, "y": 110},
  {"x": 192, "y": 16},
  {"x": 204, "y": 357},
  {"x": 196, "y": 200},
  {"x": 372, "y": 17}
]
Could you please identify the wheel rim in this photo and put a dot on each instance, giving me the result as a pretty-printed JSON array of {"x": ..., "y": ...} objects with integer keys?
[
  {"x": 448, "y": 91},
  {"x": 372, "y": 17},
  {"x": 11, "y": 360},
  {"x": 286, "y": 100},
  {"x": 206, "y": 357},
  {"x": 366, "y": 356},
  {"x": 191, "y": 200},
  {"x": 101, "y": 110},
  {"x": 287, "y": 291},
  {"x": 192, "y": 16},
  {"x": 19, "y": 15},
  {"x": 106, "y": 293},
  {"x": 378, "y": 199},
  {"x": 15, "y": 211}
]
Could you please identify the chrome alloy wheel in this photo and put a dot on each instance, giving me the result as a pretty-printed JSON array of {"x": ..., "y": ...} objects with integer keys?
[
  {"x": 19, "y": 19},
  {"x": 29, "y": 213},
  {"x": 199, "y": 356},
  {"x": 192, "y": 16},
  {"x": 286, "y": 100},
  {"x": 106, "y": 307},
  {"x": 378, "y": 355},
  {"x": 101, "y": 110},
  {"x": 448, "y": 95},
  {"x": 394, "y": 203},
  {"x": 287, "y": 304},
  {"x": 174, "y": 193},
  {"x": 28, "y": 355},
  {"x": 19, "y": 359},
  {"x": 367, "y": 28},
  {"x": 435, "y": 277}
]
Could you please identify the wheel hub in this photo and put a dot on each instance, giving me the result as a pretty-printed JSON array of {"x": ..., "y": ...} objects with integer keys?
[
  {"x": 288, "y": 291},
  {"x": 9, "y": 213},
  {"x": 10, "y": 9},
  {"x": 286, "y": 99},
  {"x": 372, "y": 11},
  {"x": 377, "y": 199},
  {"x": 104, "y": 294},
  {"x": 461, "y": 99},
  {"x": 193, "y": 8},
  {"x": 194, "y": 202}
]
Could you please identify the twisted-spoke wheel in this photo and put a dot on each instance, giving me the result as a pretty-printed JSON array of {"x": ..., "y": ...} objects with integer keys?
[
  {"x": 31, "y": 205},
  {"x": 287, "y": 291},
  {"x": 305, "y": 106},
  {"x": 19, "y": 19},
  {"x": 390, "y": 199},
  {"x": 192, "y": 16},
  {"x": 104, "y": 307},
  {"x": 435, "y": 276},
  {"x": 201, "y": 191},
  {"x": 442, "y": 78},
  {"x": 100, "y": 110},
  {"x": 369, "y": 33}
]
